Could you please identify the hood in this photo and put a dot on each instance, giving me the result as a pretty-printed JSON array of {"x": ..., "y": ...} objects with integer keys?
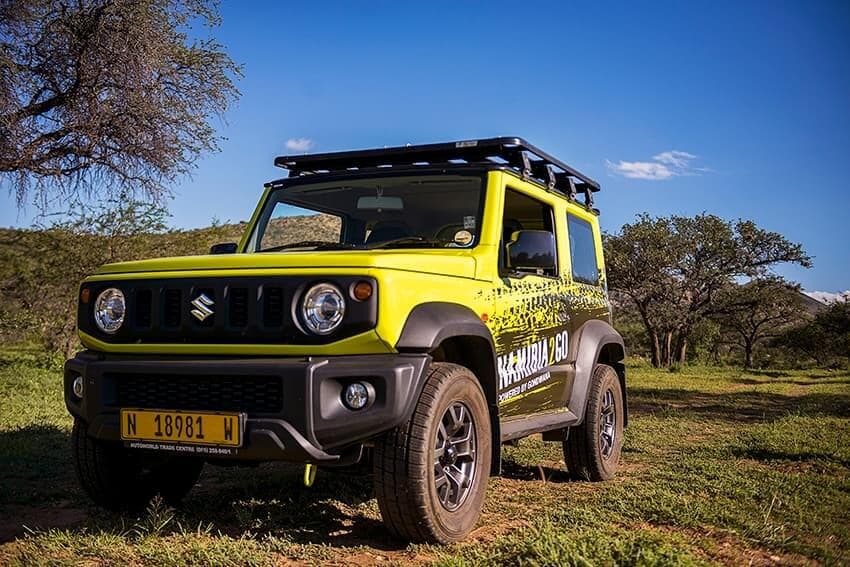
[{"x": 442, "y": 262}]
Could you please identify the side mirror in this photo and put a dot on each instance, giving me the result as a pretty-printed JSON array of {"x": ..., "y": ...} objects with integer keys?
[
  {"x": 531, "y": 250},
  {"x": 223, "y": 248}
]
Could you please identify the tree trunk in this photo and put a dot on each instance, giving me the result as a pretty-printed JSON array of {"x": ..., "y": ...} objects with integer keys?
[
  {"x": 655, "y": 346},
  {"x": 682, "y": 350},
  {"x": 667, "y": 349},
  {"x": 748, "y": 354}
]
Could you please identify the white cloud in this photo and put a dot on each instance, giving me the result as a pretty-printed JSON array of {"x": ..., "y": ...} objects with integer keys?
[
  {"x": 675, "y": 158},
  {"x": 641, "y": 169},
  {"x": 829, "y": 296},
  {"x": 672, "y": 163},
  {"x": 299, "y": 144}
]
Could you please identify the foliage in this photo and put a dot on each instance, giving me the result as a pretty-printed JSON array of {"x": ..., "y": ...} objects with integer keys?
[
  {"x": 824, "y": 340},
  {"x": 41, "y": 269},
  {"x": 673, "y": 269},
  {"x": 759, "y": 310},
  {"x": 107, "y": 95}
]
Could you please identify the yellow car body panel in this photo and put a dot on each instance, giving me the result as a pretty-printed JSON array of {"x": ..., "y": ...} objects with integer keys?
[{"x": 405, "y": 278}]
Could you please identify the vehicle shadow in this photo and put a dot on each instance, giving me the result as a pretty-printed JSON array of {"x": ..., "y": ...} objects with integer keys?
[
  {"x": 39, "y": 491},
  {"x": 338, "y": 510},
  {"x": 517, "y": 471}
]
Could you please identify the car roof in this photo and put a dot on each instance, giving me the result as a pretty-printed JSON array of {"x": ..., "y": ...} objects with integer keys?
[{"x": 512, "y": 154}]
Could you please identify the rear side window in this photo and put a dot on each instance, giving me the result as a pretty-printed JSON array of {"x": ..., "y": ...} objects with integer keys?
[{"x": 582, "y": 250}]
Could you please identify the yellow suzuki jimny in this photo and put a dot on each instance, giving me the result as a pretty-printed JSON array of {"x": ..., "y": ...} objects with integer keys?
[{"x": 424, "y": 304}]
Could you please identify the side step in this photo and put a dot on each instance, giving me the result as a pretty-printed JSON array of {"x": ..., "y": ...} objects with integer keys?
[{"x": 525, "y": 426}]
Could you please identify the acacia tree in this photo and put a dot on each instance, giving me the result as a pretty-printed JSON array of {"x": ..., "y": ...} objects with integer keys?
[
  {"x": 759, "y": 310},
  {"x": 672, "y": 270},
  {"x": 107, "y": 96},
  {"x": 637, "y": 271}
]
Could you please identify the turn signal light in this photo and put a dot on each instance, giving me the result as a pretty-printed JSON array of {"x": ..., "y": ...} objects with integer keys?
[{"x": 362, "y": 291}]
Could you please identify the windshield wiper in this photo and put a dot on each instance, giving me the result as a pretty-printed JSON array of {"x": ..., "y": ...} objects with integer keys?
[
  {"x": 315, "y": 244},
  {"x": 420, "y": 240}
]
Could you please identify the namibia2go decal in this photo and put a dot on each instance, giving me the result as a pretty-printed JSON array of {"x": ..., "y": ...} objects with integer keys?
[{"x": 524, "y": 369}]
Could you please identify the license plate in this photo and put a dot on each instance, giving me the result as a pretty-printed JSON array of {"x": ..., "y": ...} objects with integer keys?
[{"x": 182, "y": 427}]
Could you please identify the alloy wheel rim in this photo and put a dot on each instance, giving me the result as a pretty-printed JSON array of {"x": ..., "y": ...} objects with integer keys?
[
  {"x": 455, "y": 447},
  {"x": 607, "y": 424}
]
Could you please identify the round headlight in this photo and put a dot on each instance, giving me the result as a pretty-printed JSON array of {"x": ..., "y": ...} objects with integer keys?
[
  {"x": 323, "y": 308},
  {"x": 109, "y": 310}
]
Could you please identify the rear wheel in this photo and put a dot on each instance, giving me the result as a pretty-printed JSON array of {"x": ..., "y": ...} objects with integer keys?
[
  {"x": 592, "y": 450},
  {"x": 122, "y": 480},
  {"x": 431, "y": 472}
]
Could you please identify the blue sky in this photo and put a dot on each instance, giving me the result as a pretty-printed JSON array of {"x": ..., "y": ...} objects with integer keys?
[{"x": 754, "y": 98}]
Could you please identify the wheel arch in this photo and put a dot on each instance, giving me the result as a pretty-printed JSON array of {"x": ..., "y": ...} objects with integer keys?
[
  {"x": 596, "y": 342},
  {"x": 450, "y": 332}
]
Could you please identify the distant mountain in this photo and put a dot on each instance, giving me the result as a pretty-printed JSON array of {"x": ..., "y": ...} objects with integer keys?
[{"x": 828, "y": 297}]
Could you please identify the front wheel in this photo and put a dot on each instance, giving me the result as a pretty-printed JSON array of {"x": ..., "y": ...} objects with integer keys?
[
  {"x": 592, "y": 450},
  {"x": 122, "y": 480},
  {"x": 431, "y": 472}
]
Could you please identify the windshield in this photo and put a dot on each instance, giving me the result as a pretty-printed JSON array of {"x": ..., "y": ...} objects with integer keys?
[{"x": 423, "y": 211}]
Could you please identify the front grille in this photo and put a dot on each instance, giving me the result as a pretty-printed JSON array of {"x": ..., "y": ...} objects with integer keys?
[
  {"x": 249, "y": 394},
  {"x": 221, "y": 310}
]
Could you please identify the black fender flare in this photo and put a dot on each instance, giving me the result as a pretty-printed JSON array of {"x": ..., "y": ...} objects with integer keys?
[
  {"x": 428, "y": 325},
  {"x": 588, "y": 343}
]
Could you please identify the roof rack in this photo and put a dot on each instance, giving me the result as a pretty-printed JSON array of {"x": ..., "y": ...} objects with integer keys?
[{"x": 511, "y": 152}]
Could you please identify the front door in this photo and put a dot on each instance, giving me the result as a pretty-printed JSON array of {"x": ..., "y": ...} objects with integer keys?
[{"x": 530, "y": 323}]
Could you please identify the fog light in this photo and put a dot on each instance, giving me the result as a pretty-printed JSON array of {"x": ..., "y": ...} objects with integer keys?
[
  {"x": 77, "y": 387},
  {"x": 356, "y": 396}
]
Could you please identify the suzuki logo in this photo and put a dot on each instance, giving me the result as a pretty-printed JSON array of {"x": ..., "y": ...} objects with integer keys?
[{"x": 203, "y": 306}]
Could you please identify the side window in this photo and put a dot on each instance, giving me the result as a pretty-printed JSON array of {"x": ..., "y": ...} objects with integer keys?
[
  {"x": 525, "y": 213},
  {"x": 582, "y": 250}
]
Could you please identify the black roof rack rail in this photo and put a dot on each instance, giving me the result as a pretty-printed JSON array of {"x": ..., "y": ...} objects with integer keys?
[{"x": 513, "y": 152}]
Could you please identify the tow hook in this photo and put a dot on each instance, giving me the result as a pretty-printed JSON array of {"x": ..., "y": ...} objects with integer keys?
[{"x": 310, "y": 474}]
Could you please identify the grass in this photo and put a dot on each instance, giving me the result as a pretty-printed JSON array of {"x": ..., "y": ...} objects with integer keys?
[{"x": 719, "y": 467}]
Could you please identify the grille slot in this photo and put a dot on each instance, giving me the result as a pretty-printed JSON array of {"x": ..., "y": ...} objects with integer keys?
[
  {"x": 273, "y": 306},
  {"x": 239, "y": 307},
  {"x": 172, "y": 308},
  {"x": 144, "y": 306},
  {"x": 249, "y": 394}
]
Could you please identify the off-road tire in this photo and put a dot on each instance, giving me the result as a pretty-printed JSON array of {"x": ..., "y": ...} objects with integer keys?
[
  {"x": 404, "y": 461},
  {"x": 583, "y": 450},
  {"x": 120, "y": 480}
]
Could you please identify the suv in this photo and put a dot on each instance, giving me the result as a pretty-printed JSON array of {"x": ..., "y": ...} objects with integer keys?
[{"x": 427, "y": 303}]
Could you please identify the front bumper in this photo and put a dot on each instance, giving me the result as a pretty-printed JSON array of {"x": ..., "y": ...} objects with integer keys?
[{"x": 298, "y": 416}]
